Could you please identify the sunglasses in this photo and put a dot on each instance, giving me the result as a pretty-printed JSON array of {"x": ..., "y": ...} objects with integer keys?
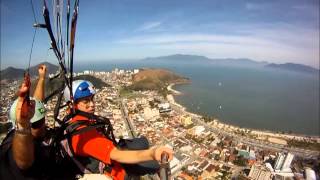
[{"x": 38, "y": 124}]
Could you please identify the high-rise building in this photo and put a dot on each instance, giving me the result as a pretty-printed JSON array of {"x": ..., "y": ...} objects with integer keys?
[
  {"x": 283, "y": 162},
  {"x": 287, "y": 162},
  {"x": 279, "y": 161}
]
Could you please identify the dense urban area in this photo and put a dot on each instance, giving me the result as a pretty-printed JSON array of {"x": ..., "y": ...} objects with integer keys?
[{"x": 204, "y": 147}]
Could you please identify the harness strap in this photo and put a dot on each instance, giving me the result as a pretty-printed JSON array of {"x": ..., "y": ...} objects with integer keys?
[
  {"x": 75, "y": 125},
  {"x": 107, "y": 131},
  {"x": 66, "y": 146},
  {"x": 101, "y": 124},
  {"x": 84, "y": 129}
]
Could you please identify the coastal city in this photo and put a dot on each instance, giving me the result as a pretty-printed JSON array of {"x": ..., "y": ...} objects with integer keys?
[{"x": 204, "y": 147}]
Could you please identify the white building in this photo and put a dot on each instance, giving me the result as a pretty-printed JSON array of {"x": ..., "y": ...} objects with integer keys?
[
  {"x": 283, "y": 162},
  {"x": 186, "y": 148},
  {"x": 86, "y": 72},
  {"x": 175, "y": 164},
  {"x": 198, "y": 130},
  {"x": 279, "y": 161},
  {"x": 287, "y": 162},
  {"x": 164, "y": 107},
  {"x": 150, "y": 113},
  {"x": 310, "y": 174},
  {"x": 260, "y": 172}
]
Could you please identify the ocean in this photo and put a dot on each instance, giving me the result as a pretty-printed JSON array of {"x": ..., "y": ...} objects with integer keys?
[{"x": 250, "y": 97}]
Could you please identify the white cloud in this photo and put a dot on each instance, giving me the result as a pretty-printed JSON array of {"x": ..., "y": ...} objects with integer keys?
[
  {"x": 253, "y": 6},
  {"x": 195, "y": 38},
  {"x": 307, "y": 9},
  {"x": 149, "y": 26}
]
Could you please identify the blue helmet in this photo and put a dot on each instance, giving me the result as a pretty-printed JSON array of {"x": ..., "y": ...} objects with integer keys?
[{"x": 80, "y": 89}]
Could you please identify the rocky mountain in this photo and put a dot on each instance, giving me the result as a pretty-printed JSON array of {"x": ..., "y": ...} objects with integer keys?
[
  {"x": 238, "y": 62},
  {"x": 293, "y": 67},
  {"x": 155, "y": 79},
  {"x": 12, "y": 73}
]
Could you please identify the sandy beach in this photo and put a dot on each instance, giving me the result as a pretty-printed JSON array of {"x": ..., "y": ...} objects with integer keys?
[
  {"x": 171, "y": 99},
  {"x": 175, "y": 92}
]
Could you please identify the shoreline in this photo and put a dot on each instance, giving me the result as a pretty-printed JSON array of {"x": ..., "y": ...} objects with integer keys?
[
  {"x": 169, "y": 88},
  {"x": 223, "y": 125},
  {"x": 171, "y": 99}
]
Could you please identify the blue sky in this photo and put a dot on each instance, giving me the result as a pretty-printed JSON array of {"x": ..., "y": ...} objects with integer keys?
[{"x": 275, "y": 31}]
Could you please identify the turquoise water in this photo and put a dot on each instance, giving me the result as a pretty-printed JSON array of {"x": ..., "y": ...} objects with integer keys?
[{"x": 256, "y": 98}]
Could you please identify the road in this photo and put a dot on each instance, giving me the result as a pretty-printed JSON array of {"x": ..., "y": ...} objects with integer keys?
[{"x": 129, "y": 125}]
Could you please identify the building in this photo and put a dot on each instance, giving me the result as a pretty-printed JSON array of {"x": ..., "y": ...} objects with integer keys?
[
  {"x": 260, "y": 172},
  {"x": 279, "y": 161},
  {"x": 164, "y": 107},
  {"x": 287, "y": 162},
  {"x": 150, "y": 113},
  {"x": 186, "y": 120},
  {"x": 245, "y": 154},
  {"x": 310, "y": 174},
  {"x": 284, "y": 176},
  {"x": 198, "y": 130},
  {"x": 283, "y": 162}
]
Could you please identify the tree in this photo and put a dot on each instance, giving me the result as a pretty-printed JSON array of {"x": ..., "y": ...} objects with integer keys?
[
  {"x": 151, "y": 103},
  {"x": 240, "y": 161}
]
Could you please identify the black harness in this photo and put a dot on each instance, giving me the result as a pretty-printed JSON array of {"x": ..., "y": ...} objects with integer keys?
[
  {"x": 102, "y": 124},
  {"x": 68, "y": 129}
]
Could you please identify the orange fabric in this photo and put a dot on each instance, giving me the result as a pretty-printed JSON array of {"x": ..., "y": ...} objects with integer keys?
[{"x": 92, "y": 143}]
